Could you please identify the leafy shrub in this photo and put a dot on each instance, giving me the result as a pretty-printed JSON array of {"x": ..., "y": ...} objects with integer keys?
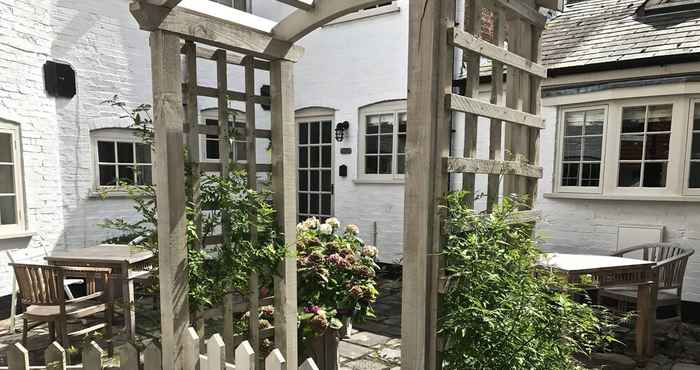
[{"x": 502, "y": 311}]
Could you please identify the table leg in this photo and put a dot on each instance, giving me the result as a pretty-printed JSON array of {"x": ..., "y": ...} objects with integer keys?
[
  {"x": 644, "y": 331},
  {"x": 129, "y": 311}
]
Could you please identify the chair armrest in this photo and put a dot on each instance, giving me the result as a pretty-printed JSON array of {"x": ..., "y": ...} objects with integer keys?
[
  {"x": 86, "y": 298},
  {"x": 624, "y": 251},
  {"x": 671, "y": 260}
]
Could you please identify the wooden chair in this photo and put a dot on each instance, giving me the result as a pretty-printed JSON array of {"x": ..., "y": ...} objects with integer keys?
[
  {"x": 41, "y": 292},
  {"x": 671, "y": 260}
]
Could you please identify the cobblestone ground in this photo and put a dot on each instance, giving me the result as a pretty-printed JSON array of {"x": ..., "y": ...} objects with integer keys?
[{"x": 376, "y": 344}]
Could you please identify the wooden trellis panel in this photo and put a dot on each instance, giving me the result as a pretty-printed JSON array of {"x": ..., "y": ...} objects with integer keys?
[{"x": 434, "y": 35}]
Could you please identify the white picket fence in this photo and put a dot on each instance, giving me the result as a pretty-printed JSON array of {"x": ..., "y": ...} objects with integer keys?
[{"x": 94, "y": 358}]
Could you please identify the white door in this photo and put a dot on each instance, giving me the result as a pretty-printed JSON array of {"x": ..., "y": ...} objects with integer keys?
[{"x": 315, "y": 165}]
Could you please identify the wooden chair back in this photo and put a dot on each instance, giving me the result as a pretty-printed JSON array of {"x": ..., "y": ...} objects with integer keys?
[
  {"x": 39, "y": 284},
  {"x": 671, "y": 261}
]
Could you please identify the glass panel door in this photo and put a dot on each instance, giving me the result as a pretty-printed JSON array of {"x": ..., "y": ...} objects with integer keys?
[{"x": 315, "y": 166}]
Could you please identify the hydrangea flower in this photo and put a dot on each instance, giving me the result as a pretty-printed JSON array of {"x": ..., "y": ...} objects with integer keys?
[
  {"x": 312, "y": 223},
  {"x": 333, "y": 222},
  {"x": 370, "y": 251},
  {"x": 352, "y": 229},
  {"x": 326, "y": 229}
]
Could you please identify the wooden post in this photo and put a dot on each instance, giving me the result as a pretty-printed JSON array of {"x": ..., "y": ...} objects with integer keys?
[
  {"x": 430, "y": 73},
  {"x": 497, "y": 98},
  {"x": 284, "y": 187},
  {"x": 192, "y": 125},
  {"x": 128, "y": 357},
  {"x": 472, "y": 24},
  {"x": 169, "y": 170},
  {"x": 17, "y": 357},
  {"x": 55, "y": 357},
  {"x": 251, "y": 166}
]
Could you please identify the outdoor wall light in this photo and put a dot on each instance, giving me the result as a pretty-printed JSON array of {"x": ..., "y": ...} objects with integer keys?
[{"x": 340, "y": 130}]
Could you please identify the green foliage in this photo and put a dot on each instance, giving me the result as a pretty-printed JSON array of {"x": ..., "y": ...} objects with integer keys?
[
  {"x": 502, "y": 311},
  {"x": 225, "y": 204},
  {"x": 337, "y": 272}
]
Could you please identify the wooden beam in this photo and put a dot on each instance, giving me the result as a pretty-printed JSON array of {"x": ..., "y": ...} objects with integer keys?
[
  {"x": 216, "y": 167},
  {"x": 224, "y": 34},
  {"x": 169, "y": 178},
  {"x": 467, "y": 41},
  {"x": 231, "y": 57},
  {"x": 551, "y": 4},
  {"x": 300, "y": 4},
  {"x": 301, "y": 22},
  {"x": 484, "y": 109},
  {"x": 492, "y": 167},
  {"x": 164, "y": 3},
  {"x": 284, "y": 188},
  {"x": 192, "y": 120},
  {"x": 472, "y": 60},
  {"x": 497, "y": 98},
  {"x": 430, "y": 75},
  {"x": 521, "y": 9}
]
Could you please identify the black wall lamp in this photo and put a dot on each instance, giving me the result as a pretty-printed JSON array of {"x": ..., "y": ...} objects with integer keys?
[{"x": 340, "y": 130}]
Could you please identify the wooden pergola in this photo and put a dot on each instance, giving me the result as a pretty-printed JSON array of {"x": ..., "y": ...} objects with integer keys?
[{"x": 202, "y": 29}]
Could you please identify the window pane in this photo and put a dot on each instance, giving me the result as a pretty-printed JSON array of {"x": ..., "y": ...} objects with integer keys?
[
  {"x": 7, "y": 179},
  {"x": 401, "y": 143},
  {"x": 655, "y": 175},
  {"x": 326, "y": 180},
  {"x": 695, "y": 150},
  {"x": 241, "y": 149},
  {"x": 372, "y": 125},
  {"x": 401, "y": 164},
  {"x": 105, "y": 151},
  {"x": 631, "y": 147},
  {"x": 303, "y": 133},
  {"x": 633, "y": 119},
  {"x": 594, "y": 122},
  {"x": 313, "y": 203},
  {"x": 126, "y": 175},
  {"x": 314, "y": 154},
  {"x": 8, "y": 210},
  {"x": 143, "y": 153},
  {"x": 592, "y": 147},
  {"x": 385, "y": 164},
  {"x": 402, "y": 122},
  {"x": 387, "y": 124},
  {"x": 326, "y": 204},
  {"x": 303, "y": 157},
  {"x": 371, "y": 144},
  {"x": 315, "y": 134},
  {"x": 629, "y": 174},
  {"x": 212, "y": 149},
  {"x": 590, "y": 174},
  {"x": 314, "y": 180},
  {"x": 125, "y": 152},
  {"x": 574, "y": 123},
  {"x": 694, "y": 180},
  {"x": 569, "y": 176},
  {"x": 657, "y": 146},
  {"x": 326, "y": 131},
  {"x": 5, "y": 147},
  {"x": 696, "y": 117},
  {"x": 326, "y": 154},
  {"x": 371, "y": 165},
  {"x": 108, "y": 175},
  {"x": 144, "y": 175},
  {"x": 572, "y": 149},
  {"x": 303, "y": 203},
  {"x": 303, "y": 180},
  {"x": 386, "y": 143},
  {"x": 659, "y": 118}
]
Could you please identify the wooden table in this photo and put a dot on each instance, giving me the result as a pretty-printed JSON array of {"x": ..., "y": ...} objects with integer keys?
[
  {"x": 126, "y": 261},
  {"x": 609, "y": 271}
]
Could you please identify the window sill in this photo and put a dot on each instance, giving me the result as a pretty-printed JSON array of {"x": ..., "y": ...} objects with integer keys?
[
  {"x": 393, "y": 8},
  {"x": 16, "y": 235},
  {"x": 109, "y": 194},
  {"x": 379, "y": 181},
  {"x": 643, "y": 198}
]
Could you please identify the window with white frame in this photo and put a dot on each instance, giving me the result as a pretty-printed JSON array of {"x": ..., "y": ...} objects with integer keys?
[
  {"x": 383, "y": 140},
  {"x": 236, "y": 4},
  {"x": 642, "y": 147},
  {"x": 121, "y": 158},
  {"x": 11, "y": 195},
  {"x": 209, "y": 144},
  {"x": 693, "y": 178}
]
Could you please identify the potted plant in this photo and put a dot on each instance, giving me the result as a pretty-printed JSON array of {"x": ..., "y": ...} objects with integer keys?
[{"x": 337, "y": 283}]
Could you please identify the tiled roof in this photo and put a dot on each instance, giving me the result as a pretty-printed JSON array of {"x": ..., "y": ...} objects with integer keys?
[{"x": 598, "y": 31}]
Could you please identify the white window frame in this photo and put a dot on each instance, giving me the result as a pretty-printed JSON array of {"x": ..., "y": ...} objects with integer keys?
[
  {"x": 212, "y": 114},
  {"x": 394, "y": 107},
  {"x": 113, "y": 135},
  {"x": 560, "y": 151},
  {"x": 678, "y": 160},
  {"x": 21, "y": 225},
  {"x": 687, "y": 190}
]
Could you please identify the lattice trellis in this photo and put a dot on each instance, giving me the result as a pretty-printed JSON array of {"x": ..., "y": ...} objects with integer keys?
[{"x": 435, "y": 38}]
